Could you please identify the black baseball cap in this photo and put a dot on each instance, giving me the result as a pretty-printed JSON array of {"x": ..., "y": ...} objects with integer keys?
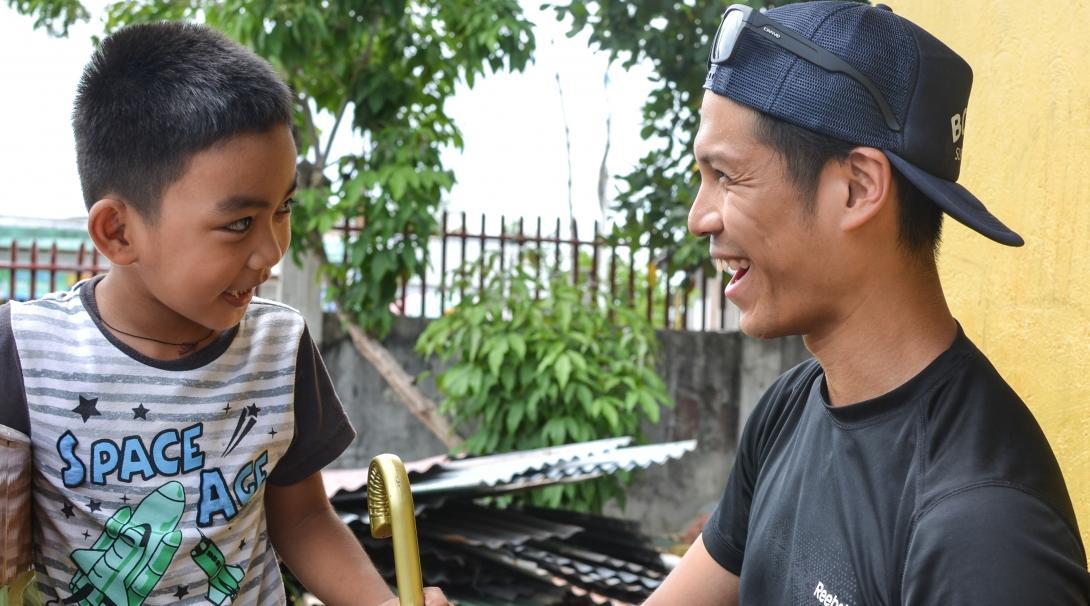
[{"x": 922, "y": 81}]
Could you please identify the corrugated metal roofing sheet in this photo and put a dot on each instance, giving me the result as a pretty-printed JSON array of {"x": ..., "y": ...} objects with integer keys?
[{"x": 487, "y": 556}]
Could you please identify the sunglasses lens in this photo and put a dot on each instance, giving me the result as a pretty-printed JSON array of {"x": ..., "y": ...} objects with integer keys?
[{"x": 729, "y": 30}]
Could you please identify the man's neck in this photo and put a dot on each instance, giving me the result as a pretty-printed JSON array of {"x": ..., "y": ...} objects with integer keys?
[{"x": 893, "y": 330}]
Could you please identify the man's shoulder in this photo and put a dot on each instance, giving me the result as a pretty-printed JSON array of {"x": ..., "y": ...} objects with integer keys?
[
  {"x": 781, "y": 404},
  {"x": 791, "y": 387},
  {"x": 980, "y": 437}
]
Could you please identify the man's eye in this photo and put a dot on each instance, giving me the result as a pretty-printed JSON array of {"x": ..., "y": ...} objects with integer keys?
[
  {"x": 239, "y": 226},
  {"x": 722, "y": 177}
]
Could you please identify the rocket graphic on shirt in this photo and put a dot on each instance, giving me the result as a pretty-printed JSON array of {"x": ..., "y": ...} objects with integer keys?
[{"x": 131, "y": 555}]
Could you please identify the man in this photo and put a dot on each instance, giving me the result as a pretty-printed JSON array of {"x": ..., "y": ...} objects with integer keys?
[{"x": 897, "y": 467}]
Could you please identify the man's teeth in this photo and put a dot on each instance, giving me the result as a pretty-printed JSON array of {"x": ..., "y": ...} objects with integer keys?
[
  {"x": 730, "y": 266},
  {"x": 238, "y": 293}
]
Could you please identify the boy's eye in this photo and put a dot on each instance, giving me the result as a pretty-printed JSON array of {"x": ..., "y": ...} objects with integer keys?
[
  {"x": 287, "y": 206},
  {"x": 239, "y": 226}
]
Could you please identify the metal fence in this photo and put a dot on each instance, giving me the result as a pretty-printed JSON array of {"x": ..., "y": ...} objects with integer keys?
[
  {"x": 632, "y": 273},
  {"x": 28, "y": 270}
]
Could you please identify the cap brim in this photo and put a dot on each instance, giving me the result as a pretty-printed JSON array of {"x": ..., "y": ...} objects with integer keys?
[{"x": 957, "y": 202}]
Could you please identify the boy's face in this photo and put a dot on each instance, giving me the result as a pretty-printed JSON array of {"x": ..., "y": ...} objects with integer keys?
[{"x": 221, "y": 227}]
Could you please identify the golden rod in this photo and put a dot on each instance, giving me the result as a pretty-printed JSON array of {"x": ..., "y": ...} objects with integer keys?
[{"x": 390, "y": 505}]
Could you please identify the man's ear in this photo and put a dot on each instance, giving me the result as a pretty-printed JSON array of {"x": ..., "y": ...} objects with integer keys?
[
  {"x": 870, "y": 184},
  {"x": 111, "y": 223}
]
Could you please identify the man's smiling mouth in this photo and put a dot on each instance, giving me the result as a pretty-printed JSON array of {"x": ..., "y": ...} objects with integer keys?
[{"x": 735, "y": 268}]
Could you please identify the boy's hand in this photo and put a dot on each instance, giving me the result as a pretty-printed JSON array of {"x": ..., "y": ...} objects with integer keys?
[{"x": 433, "y": 596}]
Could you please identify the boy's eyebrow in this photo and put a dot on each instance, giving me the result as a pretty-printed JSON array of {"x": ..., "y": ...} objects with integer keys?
[{"x": 233, "y": 204}]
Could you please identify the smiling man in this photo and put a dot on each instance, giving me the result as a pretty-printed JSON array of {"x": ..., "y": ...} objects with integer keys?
[{"x": 897, "y": 467}]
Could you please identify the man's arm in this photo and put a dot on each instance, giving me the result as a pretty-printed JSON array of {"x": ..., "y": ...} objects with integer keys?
[
  {"x": 321, "y": 551},
  {"x": 698, "y": 580}
]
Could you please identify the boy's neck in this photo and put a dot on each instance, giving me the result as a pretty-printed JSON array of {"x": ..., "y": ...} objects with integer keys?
[{"x": 135, "y": 317}]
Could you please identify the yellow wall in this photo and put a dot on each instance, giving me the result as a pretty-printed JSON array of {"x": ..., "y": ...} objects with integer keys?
[{"x": 1027, "y": 157}]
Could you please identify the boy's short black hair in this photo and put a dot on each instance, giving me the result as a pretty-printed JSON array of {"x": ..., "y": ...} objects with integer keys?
[
  {"x": 155, "y": 94},
  {"x": 805, "y": 154}
]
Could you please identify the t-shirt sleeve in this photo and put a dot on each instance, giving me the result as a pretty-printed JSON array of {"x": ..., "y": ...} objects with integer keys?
[
  {"x": 995, "y": 544},
  {"x": 13, "y": 403},
  {"x": 725, "y": 533},
  {"x": 322, "y": 429}
]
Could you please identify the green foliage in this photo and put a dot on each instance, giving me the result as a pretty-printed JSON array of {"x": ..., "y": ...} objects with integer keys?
[
  {"x": 385, "y": 68},
  {"x": 674, "y": 37},
  {"x": 54, "y": 16},
  {"x": 528, "y": 372}
]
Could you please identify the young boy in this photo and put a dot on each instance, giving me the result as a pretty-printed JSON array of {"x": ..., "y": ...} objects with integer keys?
[{"x": 177, "y": 425}]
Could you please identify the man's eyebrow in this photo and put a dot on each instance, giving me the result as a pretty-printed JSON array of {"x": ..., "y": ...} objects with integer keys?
[
  {"x": 237, "y": 203},
  {"x": 716, "y": 157}
]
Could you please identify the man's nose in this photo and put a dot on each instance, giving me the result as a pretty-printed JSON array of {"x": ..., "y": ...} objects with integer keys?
[{"x": 704, "y": 215}]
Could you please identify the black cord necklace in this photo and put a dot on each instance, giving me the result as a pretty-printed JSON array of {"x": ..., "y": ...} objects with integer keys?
[{"x": 184, "y": 348}]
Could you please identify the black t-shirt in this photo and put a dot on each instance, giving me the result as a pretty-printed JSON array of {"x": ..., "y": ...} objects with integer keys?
[{"x": 943, "y": 491}]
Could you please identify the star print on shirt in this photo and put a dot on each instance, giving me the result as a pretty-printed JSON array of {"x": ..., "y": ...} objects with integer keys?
[
  {"x": 242, "y": 545},
  {"x": 86, "y": 534},
  {"x": 182, "y": 591},
  {"x": 125, "y": 499},
  {"x": 95, "y": 505},
  {"x": 246, "y": 422},
  {"x": 87, "y": 408},
  {"x": 140, "y": 412},
  {"x": 67, "y": 511},
  {"x": 272, "y": 433}
]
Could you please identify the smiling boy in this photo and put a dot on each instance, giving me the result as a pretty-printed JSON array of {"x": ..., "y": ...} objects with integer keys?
[
  {"x": 897, "y": 466},
  {"x": 177, "y": 424}
]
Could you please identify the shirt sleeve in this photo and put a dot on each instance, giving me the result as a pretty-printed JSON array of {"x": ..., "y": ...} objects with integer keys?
[
  {"x": 13, "y": 403},
  {"x": 725, "y": 532},
  {"x": 995, "y": 544},
  {"x": 322, "y": 429}
]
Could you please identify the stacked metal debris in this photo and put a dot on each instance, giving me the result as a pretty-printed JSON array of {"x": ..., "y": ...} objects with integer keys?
[{"x": 482, "y": 555}]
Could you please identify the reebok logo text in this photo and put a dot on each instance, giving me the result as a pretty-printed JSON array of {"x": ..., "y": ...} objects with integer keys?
[{"x": 825, "y": 598}]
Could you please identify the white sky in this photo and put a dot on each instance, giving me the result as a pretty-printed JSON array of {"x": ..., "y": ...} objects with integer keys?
[{"x": 514, "y": 161}]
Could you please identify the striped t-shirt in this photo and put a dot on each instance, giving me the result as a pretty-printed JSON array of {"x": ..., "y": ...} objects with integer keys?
[{"x": 148, "y": 476}]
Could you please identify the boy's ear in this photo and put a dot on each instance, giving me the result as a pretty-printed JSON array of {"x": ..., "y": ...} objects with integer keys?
[
  {"x": 110, "y": 223},
  {"x": 870, "y": 183}
]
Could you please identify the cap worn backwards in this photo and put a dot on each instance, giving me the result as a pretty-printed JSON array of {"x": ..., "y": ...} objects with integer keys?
[{"x": 924, "y": 82}]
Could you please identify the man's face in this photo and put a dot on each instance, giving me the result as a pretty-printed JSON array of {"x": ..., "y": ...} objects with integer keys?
[
  {"x": 221, "y": 227},
  {"x": 782, "y": 255}
]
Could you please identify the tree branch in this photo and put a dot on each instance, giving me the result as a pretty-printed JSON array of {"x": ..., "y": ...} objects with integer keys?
[
  {"x": 420, "y": 405},
  {"x": 319, "y": 161},
  {"x": 364, "y": 61}
]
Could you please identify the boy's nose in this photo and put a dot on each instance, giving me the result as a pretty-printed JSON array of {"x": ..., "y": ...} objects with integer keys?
[{"x": 270, "y": 250}]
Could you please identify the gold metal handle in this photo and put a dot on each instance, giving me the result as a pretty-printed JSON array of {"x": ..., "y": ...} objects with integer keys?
[{"x": 390, "y": 505}]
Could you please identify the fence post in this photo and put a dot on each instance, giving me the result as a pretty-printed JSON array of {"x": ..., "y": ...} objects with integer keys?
[{"x": 300, "y": 288}]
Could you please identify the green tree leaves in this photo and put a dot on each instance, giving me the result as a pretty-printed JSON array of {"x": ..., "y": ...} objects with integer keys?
[
  {"x": 382, "y": 69},
  {"x": 674, "y": 36},
  {"x": 530, "y": 372}
]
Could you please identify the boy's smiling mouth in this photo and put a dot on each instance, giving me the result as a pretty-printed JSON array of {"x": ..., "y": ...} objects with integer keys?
[{"x": 239, "y": 298}]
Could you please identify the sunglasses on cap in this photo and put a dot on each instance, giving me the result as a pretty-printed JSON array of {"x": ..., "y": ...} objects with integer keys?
[{"x": 738, "y": 17}]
